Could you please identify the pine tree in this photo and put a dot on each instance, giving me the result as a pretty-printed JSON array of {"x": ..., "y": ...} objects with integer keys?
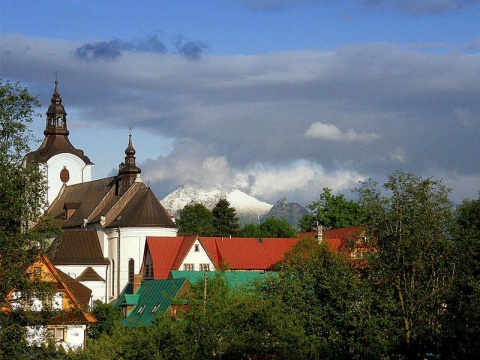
[{"x": 225, "y": 220}]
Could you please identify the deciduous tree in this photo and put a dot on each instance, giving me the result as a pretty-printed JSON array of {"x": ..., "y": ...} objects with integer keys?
[
  {"x": 407, "y": 228},
  {"x": 332, "y": 212},
  {"x": 22, "y": 189},
  {"x": 196, "y": 219}
]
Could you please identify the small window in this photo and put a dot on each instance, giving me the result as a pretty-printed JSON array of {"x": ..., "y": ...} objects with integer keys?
[
  {"x": 204, "y": 267},
  {"x": 197, "y": 248},
  {"x": 37, "y": 271},
  {"x": 56, "y": 334},
  {"x": 59, "y": 334},
  {"x": 188, "y": 267}
]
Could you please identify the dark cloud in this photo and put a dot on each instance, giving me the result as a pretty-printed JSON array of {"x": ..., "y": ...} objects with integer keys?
[
  {"x": 192, "y": 50},
  {"x": 419, "y": 7},
  {"x": 113, "y": 49},
  {"x": 100, "y": 50},
  {"x": 414, "y": 7},
  {"x": 277, "y": 124}
]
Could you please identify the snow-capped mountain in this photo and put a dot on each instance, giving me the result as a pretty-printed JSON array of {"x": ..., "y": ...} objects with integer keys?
[{"x": 249, "y": 209}]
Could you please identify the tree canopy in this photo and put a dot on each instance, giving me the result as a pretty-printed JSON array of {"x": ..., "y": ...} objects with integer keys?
[
  {"x": 270, "y": 228},
  {"x": 22, "y": 194},
  {"x": 332, "y": 212},
  {"x": 195, "y": 219}
]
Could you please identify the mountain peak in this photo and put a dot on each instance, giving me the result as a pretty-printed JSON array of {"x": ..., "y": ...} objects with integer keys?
[{"x": 249, "y": 209}]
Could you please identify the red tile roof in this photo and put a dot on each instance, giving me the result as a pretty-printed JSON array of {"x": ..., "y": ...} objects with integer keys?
[
  {"x": 164, "y": 251},
  {"x": 168, "y": 253},
  {"x": 247, "y": 253}
]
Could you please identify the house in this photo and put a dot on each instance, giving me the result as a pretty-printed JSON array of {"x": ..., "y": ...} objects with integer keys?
[
  {"x": 198, "y": 253},
  {"x": 68, "y": 326},
  {"x": 195, "y": 253},
  {"x": 349, "y": 240},
  {"x": 121, "y": 209},
  {"x": 141, "y": 305}
]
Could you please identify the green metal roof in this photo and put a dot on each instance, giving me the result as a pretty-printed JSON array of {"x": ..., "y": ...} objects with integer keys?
[
  {"x": 234, "y": 278},
  {"x": 153, "y": 297}
]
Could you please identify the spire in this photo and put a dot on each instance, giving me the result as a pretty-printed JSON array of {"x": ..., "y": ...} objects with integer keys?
[
  {"x": 56, "y": 115},
  {"x": 128, "y": 171}
]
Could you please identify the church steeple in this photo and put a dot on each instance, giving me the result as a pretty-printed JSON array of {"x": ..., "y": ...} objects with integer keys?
[
  {"x": 56, "y": 115},
  {"x": 64, "y": 164},
  {"x": 128, "y": 170}
]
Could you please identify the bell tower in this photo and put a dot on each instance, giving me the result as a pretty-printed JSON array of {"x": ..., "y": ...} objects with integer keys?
[
  {"x": 56, "y": 156},
  {"x": 128, "y": 171}
]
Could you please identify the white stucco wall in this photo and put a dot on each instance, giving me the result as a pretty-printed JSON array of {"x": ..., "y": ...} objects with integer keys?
[
  {"x": 74, "y": 335},
  {"x": 78, "y": 170},
  {"x": 196, "y": 258},
  {"x": 98, "y": 288},
  {"x": 125, "y": 244}
]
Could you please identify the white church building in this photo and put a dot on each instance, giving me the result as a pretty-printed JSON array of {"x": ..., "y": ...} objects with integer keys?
[{"x": 121, "y": 209}]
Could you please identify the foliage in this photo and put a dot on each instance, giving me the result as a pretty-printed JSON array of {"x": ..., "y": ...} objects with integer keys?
[
  {"x": 332, "y": 212},
  {"x": 340, "y": 313},
  {"x": 407, "y": 228},
  {"x": 22, "y": 190},
  {"x": 108, "y": 317},
  {"x": 195, "y": 219},
  {"x": 270, "y": 228},
  {"x": 460, "y": 327},
  {"x": 225, "y": 220}
]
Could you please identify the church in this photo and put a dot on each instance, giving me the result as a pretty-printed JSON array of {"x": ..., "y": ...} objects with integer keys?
[{"x": 105, "y": 222}]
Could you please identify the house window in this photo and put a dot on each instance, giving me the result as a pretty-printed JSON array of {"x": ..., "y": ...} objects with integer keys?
[
  {"x": 131, "y": 267},
  {"x": 148, "y": 271},
  {"x": 56, "y": 334},
  {"x": 37, "y": 271},
  {"x": 188, "y": 267},
  {"x": 197, "y": 248},
  {"x": 204, "y": 267}
]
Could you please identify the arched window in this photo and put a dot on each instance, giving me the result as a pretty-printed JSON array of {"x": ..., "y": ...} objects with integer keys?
[
  {"x": 131, "y": 269},
  {"x": 113, "y": 277}
]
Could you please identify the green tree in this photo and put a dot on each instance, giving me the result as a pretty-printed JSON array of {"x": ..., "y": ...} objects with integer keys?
[
  {"x": 340, "y": 314},
  {"x": 460, "y": 326},
  {"x": 108, "y": 317},
  {"x": 407, "y": 228},
  {"x": 332, "y": 212},
  {"x": 270, "y": 228},
  {"x": 225, "y": 220},
  {"x": 195, "y": 219},
  {"x": 238, "y": 323},
  {"x": 22, "y": 194}
]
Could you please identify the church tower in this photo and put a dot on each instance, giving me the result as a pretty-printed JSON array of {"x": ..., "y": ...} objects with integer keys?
[
  {"x": 61, "y": 161},
  {"x": 128, "y": 171}
]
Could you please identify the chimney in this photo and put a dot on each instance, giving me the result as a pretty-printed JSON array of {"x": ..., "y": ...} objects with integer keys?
[
  {"x": 137, "y": 280},
  {"x": 319, "y": 234}
]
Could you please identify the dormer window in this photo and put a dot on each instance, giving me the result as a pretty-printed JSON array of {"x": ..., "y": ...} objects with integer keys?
[{"x": 70, "y": 209}]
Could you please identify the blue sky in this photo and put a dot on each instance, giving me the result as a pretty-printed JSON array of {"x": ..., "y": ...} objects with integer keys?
[{"x": 279, "y": 98}]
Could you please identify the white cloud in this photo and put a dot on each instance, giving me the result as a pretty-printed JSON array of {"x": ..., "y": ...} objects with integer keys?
[{"x": 319, "y": 130}]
